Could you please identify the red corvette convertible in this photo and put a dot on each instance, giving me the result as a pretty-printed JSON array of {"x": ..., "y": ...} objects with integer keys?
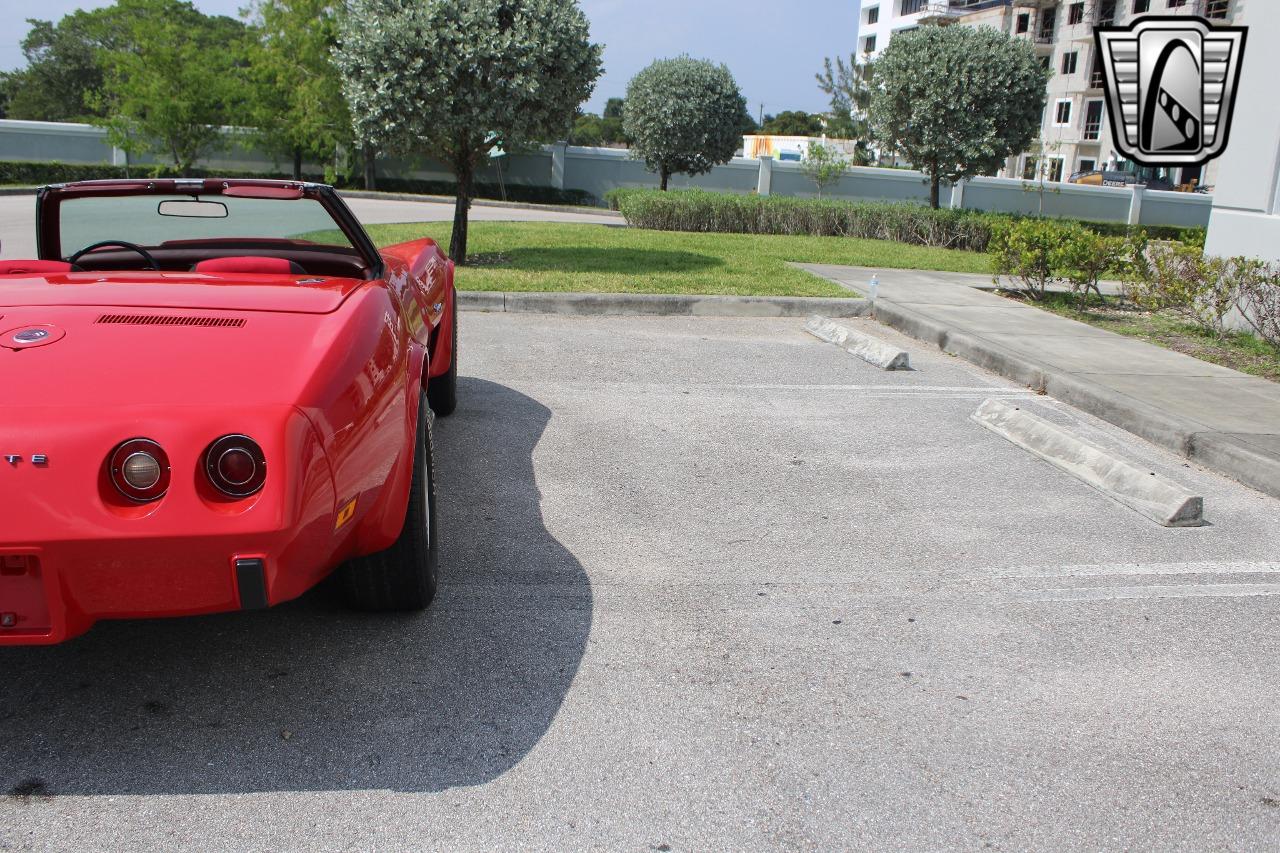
[{"x": 214, "y": 394}]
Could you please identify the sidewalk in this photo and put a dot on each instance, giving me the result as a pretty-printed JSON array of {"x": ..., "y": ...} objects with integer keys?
[{"x": 1222, "y": 419}]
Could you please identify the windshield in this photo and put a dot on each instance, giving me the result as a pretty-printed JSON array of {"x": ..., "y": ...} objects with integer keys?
[{"x": 151, "y": 220}]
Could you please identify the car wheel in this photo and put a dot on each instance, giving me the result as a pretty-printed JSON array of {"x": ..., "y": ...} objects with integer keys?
[
  {"x": 442, "y": 391},
  {"x": 406, "y": 575}
]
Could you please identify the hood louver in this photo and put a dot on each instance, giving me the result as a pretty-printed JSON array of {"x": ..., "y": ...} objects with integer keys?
[{"x": 162, "y": 320}]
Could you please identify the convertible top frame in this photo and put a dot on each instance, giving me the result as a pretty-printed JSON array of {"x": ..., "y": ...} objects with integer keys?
[{"x": 49, "y": 198}]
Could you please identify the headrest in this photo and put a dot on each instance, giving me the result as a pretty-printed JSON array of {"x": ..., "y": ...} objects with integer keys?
[
  {"x": 251, "y": 264},
  {"x": 20, "y": 267}
]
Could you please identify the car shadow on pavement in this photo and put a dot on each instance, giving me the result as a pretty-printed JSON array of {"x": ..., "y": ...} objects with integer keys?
[{"x": 311, "y": 696}]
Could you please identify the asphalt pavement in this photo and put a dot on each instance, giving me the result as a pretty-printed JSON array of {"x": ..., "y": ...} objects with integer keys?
[
  {"x": 1220, "y": 417},
  {"x": 708, "y": 584}
]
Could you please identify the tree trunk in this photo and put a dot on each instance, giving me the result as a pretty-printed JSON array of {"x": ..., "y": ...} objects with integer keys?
[
  {"x": 464, "y": 172},
  {"x": 297, "y": 164},
  {"x": 666, "y": 176},
  {"x": 370, "y": 170},
  {"x": 935, "y": 191}
]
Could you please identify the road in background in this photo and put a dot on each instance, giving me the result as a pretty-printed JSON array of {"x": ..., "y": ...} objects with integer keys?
[{"x": 708, "y": 584}]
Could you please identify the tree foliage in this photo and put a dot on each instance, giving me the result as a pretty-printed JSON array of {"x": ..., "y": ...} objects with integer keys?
[
  {"x": 592, "y": 130},
  {"x": 455, "y": 78},
  {"x": 684, "y": 115},
  {"x": 613, "y": 108},
  {"x": 173, "y": 79},
  {"x": 848, "y": 85},
  {"x": 296, "y": 99},
  {"x": 64, "y": 68},
  {"x": 956, "y": 101},
  {"x": 792, "y": 123}
]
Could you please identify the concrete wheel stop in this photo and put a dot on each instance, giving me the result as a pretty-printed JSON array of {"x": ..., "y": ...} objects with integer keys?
[
  {"x": 871, "y": 350},
  {"x": 1158, "y": 498}
]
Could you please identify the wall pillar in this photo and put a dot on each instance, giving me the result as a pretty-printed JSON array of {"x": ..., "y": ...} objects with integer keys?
[
  {"x": 1135, "y": 204},
  {"x": 957, "y": 195},
  {"x": 765, "y": 183},
  {"x": 119, "y": 157},
  {"x": 557, "y": 165},
  {"x": 1246, "y": 201}
]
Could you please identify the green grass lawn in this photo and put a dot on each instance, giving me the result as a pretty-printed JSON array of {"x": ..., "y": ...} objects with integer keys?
[
  {"x": 1235, "y": 350},
  {"x": 538, "y": 256}
]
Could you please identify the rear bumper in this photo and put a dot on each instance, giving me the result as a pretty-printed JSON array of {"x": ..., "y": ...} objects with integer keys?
[
  {"x": 53, "y": 591},
  {"x": 73, "y": 552}
]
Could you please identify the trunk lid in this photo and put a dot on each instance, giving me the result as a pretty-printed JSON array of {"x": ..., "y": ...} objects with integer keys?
[{"x": 166, "y": 290}]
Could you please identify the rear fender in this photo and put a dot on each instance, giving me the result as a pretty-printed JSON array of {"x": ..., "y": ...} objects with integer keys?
[
  {"x": 381, "y": 526},
  {"x": 442, "y": 341}
]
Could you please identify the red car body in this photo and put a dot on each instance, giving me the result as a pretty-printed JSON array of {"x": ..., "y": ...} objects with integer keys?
[{"x": 323, "y": 368}]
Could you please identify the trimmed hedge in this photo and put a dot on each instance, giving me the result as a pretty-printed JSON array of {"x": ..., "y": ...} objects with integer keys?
[
  {"x": 703, "y": 211},
  {"x": 39, "y": 173}
]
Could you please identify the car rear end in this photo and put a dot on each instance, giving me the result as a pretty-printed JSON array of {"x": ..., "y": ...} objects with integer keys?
[{"x": 157, "y": 461}]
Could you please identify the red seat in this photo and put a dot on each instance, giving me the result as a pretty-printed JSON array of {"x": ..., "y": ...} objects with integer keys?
[
  {"x": 21, "y": 267},
  {"x": 251, "y": 264}
]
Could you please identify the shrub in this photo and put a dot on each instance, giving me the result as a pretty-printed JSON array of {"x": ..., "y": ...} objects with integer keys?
[
  {"x": 613, "y": 198},
  {"x": 1084, "y": 257},
  {"x": 1033, "y": 251},
  {"x": 704, "y": 211},
  {"x": 1164, "y": 275},
  {"x": 1259, "y": 298}
]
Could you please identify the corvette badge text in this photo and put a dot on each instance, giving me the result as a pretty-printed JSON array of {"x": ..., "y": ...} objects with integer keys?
[
  {"x": 36, "y": 459},
  {"x": 1171, "y": 87}
]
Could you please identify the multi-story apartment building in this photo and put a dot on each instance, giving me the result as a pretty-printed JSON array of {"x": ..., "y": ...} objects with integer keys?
[
  {"x": 1076, "y": 129},
  {"x": 881, "y": 19}
]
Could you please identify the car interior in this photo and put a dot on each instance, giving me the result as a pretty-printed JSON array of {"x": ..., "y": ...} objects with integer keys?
[{"x": 250, "y": 256}]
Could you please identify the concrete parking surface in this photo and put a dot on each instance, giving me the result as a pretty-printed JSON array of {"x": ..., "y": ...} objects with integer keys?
[{"x": 708, "y": 584}]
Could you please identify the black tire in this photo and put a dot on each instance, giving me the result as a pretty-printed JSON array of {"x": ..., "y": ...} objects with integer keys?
[
  {"x": 406, "y": 575},
  {"x": 442, "y": 391}
]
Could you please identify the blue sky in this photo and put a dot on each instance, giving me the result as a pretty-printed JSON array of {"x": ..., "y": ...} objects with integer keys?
[{"x": 773, "y": 47}]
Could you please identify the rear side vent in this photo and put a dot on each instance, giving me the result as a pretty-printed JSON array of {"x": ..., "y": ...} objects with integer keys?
[{"x": 161, "y": 320}]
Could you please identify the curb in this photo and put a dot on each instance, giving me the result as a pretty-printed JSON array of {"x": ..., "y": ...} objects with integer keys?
[
  {"x": 480, "y": 202},
  {"x": 1159, "y": 499},
  {"x": 18, "y": 190},
  {"x": 871, "y": 350},
  {"x": 1227, "y": 455},
  {"x": 657, "y": 304}
]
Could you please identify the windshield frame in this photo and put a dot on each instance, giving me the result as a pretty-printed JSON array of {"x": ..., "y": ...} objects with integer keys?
[{"x": 49, "y": 199}]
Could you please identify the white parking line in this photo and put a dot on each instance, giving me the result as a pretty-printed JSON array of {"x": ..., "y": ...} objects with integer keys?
[
  {"x": 1138, "y": 569},
  {"x": 914, "y": 389},
  {"x": 1124, "y": 593}
]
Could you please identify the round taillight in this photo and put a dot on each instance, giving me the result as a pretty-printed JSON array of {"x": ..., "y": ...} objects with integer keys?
[
  {"x": 140, "y": 470},
  {"x": 235, "y": 466}
]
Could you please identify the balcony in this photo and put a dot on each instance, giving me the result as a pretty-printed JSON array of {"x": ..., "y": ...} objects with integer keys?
[
  {"x": 1092, "y": 131},
  {"x": 933, "y": 12}
]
